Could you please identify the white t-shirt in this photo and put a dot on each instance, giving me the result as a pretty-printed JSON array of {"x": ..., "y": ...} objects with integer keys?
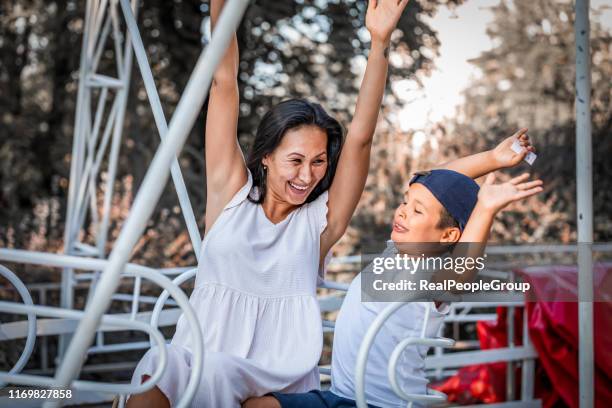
[{"x": 354, "y": 319}]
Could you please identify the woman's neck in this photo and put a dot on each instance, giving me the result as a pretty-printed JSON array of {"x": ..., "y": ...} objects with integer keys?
[{"x": 276, "y": 210}]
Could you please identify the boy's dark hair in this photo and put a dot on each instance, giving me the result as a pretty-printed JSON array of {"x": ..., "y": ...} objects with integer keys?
[{"x": 446, "y": 220}]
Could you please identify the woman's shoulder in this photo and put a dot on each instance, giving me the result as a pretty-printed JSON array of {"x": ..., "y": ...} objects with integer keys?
[
  {"x": 243, "y": 194},
  {"x": 317, "y": 210}
]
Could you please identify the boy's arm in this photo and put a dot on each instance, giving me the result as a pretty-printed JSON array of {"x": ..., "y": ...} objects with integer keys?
[
  {"x": 492, "y": 198},
  {"x": 502, "y": 156}
]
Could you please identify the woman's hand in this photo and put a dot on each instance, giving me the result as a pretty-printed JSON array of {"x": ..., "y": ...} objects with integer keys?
[
  {"x": 503, "y": 154},
  {"x": 382, "y": 17},
  {"x": 494, "y": 197}
]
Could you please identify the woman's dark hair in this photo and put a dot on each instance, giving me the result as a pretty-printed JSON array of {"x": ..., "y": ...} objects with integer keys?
[{"x": 291, "y": 114}]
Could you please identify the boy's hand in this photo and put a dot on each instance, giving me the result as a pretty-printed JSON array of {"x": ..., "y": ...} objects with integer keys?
[
  {"x": 505, "y": 156},
  {"x": 382, "y": 17},
  {"x": 494, "y": 197}
]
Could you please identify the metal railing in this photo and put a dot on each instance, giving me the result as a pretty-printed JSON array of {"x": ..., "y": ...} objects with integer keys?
[
  {"x": 437, "y": 365},
  {"x": 108, "y": 323},
  {"x": 90, "y": 144}
]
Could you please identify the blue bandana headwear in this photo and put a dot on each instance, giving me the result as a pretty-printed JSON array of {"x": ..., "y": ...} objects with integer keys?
[{"x": 456, "y": 192}]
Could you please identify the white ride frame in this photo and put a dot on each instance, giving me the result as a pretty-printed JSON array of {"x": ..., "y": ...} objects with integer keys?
[{"x": 92, "y": 137}]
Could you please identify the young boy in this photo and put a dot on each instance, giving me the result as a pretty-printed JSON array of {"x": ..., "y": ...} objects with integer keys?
[{"x": 440, "y": 206}]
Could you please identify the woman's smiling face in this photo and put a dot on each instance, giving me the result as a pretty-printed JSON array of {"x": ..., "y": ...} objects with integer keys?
[{"x": 297, "y": 165}]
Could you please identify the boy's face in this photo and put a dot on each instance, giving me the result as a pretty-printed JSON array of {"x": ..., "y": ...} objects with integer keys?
[{"x": 417, "y": 219}]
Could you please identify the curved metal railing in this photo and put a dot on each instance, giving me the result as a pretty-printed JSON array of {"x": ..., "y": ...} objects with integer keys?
[
  {"x": 31, "y": 335},
  {"x": 432, "y": 396},
  {"x": 130, "y": 270}
]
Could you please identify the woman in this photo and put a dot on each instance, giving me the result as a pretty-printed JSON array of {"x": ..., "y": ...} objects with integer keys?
[{"x": 270, "y": 223}]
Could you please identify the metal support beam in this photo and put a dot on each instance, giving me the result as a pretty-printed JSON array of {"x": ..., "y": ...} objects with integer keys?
[
  {"x": 584, "y": 198},
  {"x": 162, "y": 128},
  {"x": 78, "y": 149},
  {"x": 149, "y": 192}
]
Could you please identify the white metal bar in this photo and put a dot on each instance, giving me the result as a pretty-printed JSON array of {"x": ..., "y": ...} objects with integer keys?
[
  {"x": 136, "y": 270},
  {"x": 122, "y": 400},
  {"x": 528, "y": 368},
  {"x": 100, "y": 45},
  {"x": 93, "y": 140},
  {"x": 463, "y": 358},
  {"x": 91, "y": 148},
  {"x": 461, "y": 305},
  {"x": 44, "y": 352},
  {"x": 334, "y": 285},
  {"x": 127, "y": 297},
  {"x": 510, "y": 380},
  {"x": 584, "y": 204},
  {"x": 93, "y": 368},
  {"x": 66, "y": 295},
  {"x": 100, "y": 338},
  {"x": 100, "y": 81},
  {"x": 121, "y": 103},
  {"x": 27, "y": 379},
  {"x": 85, "y": 249},
  {"x": 324, "y": 370},
  {"x": 105, "y": 139},
  {"x": 330, "y": 303},
  {"x": 148, "y": 195},
  {"x": 91, "y": 28},
  {"x": 51, "y": 327},
  {"x": 112, "y": 348},
  {"x": 117, "y": 37},
  {"x": 471, "y": 317},
  {"x": 432, "y": 395},
  {"x": 31, "y": 339},
  {"x": 364, "y": 350},
  {"x": 329, "y": 324},
  {"x": 529, "y": 249},
  {"x": 62, "y": 261},
  {"x": 162, "y": 128},
  {"x": 84, "y": 112},
  {"x": 136, "y": 297},
  {"x": 161, "y": 301}
]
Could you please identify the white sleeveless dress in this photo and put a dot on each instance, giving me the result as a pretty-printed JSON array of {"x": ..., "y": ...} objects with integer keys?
[{"x": 255, "y": 297}]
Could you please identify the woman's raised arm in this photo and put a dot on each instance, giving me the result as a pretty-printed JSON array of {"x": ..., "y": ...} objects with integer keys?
[
  {"x": 344, "y": 194},
  {"x": 225, "y": 168}
]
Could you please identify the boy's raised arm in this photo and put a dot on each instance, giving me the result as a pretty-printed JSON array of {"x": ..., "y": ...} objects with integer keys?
[
  {"x": 492, "y": 198},
  {"x": 502, "y": 156}
]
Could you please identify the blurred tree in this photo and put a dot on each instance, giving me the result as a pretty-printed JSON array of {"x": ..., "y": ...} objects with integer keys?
[
  {"x": 288, "y": 49},
  {"x": 528, "y": 81}
]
